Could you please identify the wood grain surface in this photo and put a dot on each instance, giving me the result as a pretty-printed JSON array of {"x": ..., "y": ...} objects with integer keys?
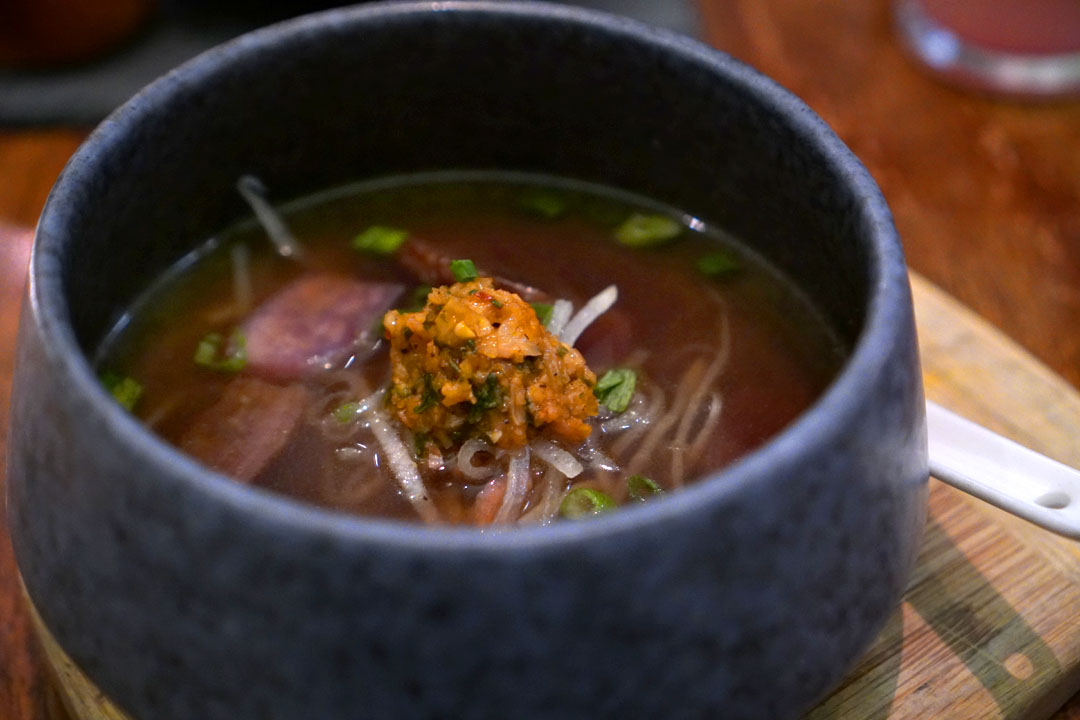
[
  {"x": 986, "y": 195},
  {"x": 988, "y": 627}
]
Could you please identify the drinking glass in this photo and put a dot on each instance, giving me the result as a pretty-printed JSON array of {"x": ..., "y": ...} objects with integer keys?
[{"x": 1028, "y": 48}]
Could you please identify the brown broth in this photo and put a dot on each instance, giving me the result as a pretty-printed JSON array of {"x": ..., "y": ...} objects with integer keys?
[{"x": 782, "y": 354}]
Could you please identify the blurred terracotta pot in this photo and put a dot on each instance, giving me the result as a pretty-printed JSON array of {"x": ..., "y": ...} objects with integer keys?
[{"x": 55, "y": 32}]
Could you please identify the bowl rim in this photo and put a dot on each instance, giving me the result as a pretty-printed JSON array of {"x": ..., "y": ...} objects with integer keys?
[{"x": 887, "y": 313}]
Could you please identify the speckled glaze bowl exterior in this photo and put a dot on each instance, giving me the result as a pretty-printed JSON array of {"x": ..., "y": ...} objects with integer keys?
[{"x": 185, "y": 595}]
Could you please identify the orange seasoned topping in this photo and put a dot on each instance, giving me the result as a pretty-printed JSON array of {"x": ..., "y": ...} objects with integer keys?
[{"x": 477, "y": 362}]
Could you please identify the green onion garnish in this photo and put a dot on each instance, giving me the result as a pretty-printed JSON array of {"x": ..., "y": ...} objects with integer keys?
[
  {"x": 488, "y": 397},
  {"x": 430, "y": 397},
  {"x": 420, "y": 444},
  {"x": 346, "y": 412},
  {"x": 585, "y": 502},
  {"x": 215, "y": 353},
  {"x": 543, "y": 312},
  {"x": 545, "y": 204},
  {"x": 642, "y": 488},
  {"x": 496, "y": 303},
  {"x": 380, "y": 240},
  {"x": 125, "y": 390},
  {"x": 647, "y": 230},
  {"x": 615, "y": 388},
  {"x": 463, "y": 270},
  {"x": 718, "y": 264}
]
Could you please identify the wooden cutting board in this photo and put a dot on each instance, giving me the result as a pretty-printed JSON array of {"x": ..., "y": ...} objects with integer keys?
[{"x": 990, "y": 624}]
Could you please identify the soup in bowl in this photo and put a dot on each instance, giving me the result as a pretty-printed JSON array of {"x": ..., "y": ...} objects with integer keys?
[
  {"x": 469, "y": 348},
  {"x": 571, "y": 372}
]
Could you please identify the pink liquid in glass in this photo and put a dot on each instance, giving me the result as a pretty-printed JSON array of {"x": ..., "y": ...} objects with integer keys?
[
  {"x": 1022, "y": 48},
  {"x": 1028, "y": 27}
]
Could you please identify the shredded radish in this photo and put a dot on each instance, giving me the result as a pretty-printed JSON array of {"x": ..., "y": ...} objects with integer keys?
[
  {"x": 241, "y": 271},
  {"x": 464, "y": 460},
  {"x": 254, "y": 192},
  {"x": 402, "y": 466},
  {"x": 517, "y": 485},
  {"x": 596, "y": 458},
  {"x": 560, "y": 313},
  {"x": 557, "y": 458},
  {"x": 597, "y": 306}
]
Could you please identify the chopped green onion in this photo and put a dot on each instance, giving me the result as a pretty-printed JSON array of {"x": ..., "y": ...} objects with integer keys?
[
  {"x": 380, "y": 240},
  {"x": 463, "y": 270},
  {"x": 430, "y": 397},
  {"x": 207, "y": 349},
  {"x": 420, "y": 444},
  {"x": 496, "y": 303},
  {"x": 543, "y": 203},
  {"x": 642, "y": 488},
  {"x": 125, "y": 390},
  {"x": 346, "y": 412},
  {"x": 543, "y": 312},
  {"x": 647, "y": 230},
  {"x": 615, "y": 389},
  {"x": 718, "y": 264},
  {"x": 585, "y": 502},
  {"x": 215, "y": 353},
  {"x": 488, "y": 397}
]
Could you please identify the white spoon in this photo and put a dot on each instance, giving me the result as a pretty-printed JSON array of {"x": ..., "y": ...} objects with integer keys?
[{"x": 1003, "y": 473}]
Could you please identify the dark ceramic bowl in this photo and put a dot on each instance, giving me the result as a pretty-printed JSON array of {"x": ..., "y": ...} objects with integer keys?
[{"x": 185, "y": 595}]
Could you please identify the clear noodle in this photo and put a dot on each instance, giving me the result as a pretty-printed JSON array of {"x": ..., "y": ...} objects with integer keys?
[{"x": 698, "y": 404}]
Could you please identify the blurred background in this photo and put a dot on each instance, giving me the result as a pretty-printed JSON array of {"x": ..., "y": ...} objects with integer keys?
[{"x": 72, "y": 61}]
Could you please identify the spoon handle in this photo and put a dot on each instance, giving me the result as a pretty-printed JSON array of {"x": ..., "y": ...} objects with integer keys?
[{"x": 1003, "y": 473}]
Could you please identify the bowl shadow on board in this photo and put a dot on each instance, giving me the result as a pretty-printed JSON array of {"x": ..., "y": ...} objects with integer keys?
[{"x": 962, "y": 609}]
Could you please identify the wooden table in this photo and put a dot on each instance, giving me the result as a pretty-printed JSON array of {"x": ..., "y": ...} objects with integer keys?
[{"x": 986, "y": 195}]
